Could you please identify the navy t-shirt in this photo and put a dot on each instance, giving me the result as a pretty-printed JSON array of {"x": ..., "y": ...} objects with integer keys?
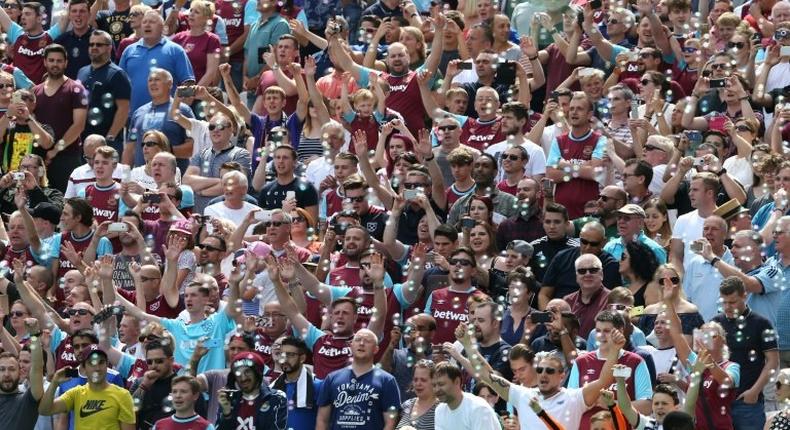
[
  {"x": 273, "y": 194},
  {"x": 359, "y": 401},
  {"x": 105, "y": 85}
]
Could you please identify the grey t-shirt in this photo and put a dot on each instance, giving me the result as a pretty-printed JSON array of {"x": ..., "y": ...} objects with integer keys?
[
  {"x": 18, "y": 411},
  {"x": 215, "y": 379}
]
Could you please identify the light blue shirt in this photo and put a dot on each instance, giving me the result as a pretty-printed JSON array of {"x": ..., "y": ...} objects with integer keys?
[
  {"x": 766, "y": 303},
  {"x": 615, "y": 246},
  {"x": 554, "y": 152},
  {"x": 138, "y": 60},
  {"x": 701, "y": 284},
  {"x": 213, "y": 329},
  {"x": 783, "y": 311},
  {"x": 643, "y": 390},
  {"x": 104, "y": 248},
  {"x": 16, "y": 30}
]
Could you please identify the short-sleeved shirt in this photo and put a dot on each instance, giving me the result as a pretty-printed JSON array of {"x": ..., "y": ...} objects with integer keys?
[
  {"x": 100, "y": 410},
  {"x": 157, "y": 117},
  {"x": 261, "y": 35},
  {"x": 138, "y": 60},
  {"x": 210, "y": 161},
  {"x": 198, "y": 48},
  {"x": 76, "y": 50},
  {"x": 566, "y": 406},
  {"x": 18, "y": 411},
  {"x": 273, "y": 194},
  {"x": 56, "y": 109},
  {"x": 700, "y": 282},
  {"x": 105, "y": 85},
  {"x": 213, "y": 330},
  {"x": 28, "y": 50},
  {"x": 116, "y": 23},
  {"x": 359, "y": 401}
]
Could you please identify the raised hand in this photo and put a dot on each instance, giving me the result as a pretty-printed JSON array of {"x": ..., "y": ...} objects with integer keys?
[
  {"x": 376, "y": 270},
  {"x": 175, "y": 246},
  {"x": 361, "y": 143},
  {"x": 528, "y": 47},
  {"x": 309, "y": 65},
  {"x": 423, "y": 145}
]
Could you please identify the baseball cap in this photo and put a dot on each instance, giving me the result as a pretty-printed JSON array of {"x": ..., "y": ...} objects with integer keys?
[
  {"x": 632, "y": 209},
  {"x": 182, "y": 226},
  {"x": 90, "y": 350},
  {"x": 46, "y": 211}
]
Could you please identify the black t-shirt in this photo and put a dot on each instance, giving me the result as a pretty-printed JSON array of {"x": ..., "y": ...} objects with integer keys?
[
  {"x": 545, "y": 250},
  {"x": 375, "y": 221},
  {"x": 116, "y": 23},
  {"x": 410, "y": 219},
  {"x": 561, "y": 273},
  {"x": 273, "y": 194}
]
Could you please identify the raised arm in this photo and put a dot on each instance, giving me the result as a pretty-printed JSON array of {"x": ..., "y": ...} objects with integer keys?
[
  {"x": 36, "y": 372},
  {"x": 360, "y": 141},
  {"x": 233, "y": 94},
  {"x": 287, "y": 304},
  {"x": 593, "y": 389},
  {"x": 20, "y": 199},
  {"x": 424, "y": 149},
  {"x": 376, "y": 272},
  {"x": 389, "y": 242},
  {"x": 435, "y": 56},
  {"x": 312, "y": 91},
  {"x": 49, "y": 405},
  {"x": 412, "y": 289},
  {"x": 624, "y": 401}
]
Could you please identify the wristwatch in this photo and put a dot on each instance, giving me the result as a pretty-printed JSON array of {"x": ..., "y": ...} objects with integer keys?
[{"x": 714, "y": 261}]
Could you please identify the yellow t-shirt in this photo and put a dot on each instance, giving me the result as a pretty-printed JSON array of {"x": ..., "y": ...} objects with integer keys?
[{"x": 99, "y": 410}]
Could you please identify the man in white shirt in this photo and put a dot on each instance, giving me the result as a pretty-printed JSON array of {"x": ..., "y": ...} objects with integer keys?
[
  {"x": 234, "y": 207},
  {"x": 459, "y": 410},
  {"x": 320, "y": 172},
  {"x": 514, "y": 117},
  {"x": 562, "y": 404},
  {"x": 83, "y": 176},
  {"x": 688, "y": 227}
]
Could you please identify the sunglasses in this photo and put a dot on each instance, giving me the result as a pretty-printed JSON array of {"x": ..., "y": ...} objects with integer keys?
[
  {"x": 511, "y": 157},
  {"x": 6, "y": 86},
  {"x": 365, "y": 265},
  {"x": 17, "y": 313},
  {"x": 299, "y": 219},
  {"x": 414, "y": 185},
  {"x": 447, "y": 127},
  {"x": 97, "y": 45},
  {"x": 646, "y": 55},
  {"x": 653, "y": 148},
  {"x": 612, "y": 22},
  {"x": 150, "y": 143},
  {"x": 357, "y": 199},
  {"x": 10, "y": 6},
  {"x": 744, "y": 128},
  {"x": 150, "y": 361},
  {"x": 80, "y": 312},
  {"x": 619, "y": 307},
  {"x": 217, "y": 126},
  {"x": 274, "y": 223},
  {"x": 674, "y": 280},
  {"x": 604, "y": 198},
  {"x": 645, "y": 82},
  {"x": 547, "y": 370},
  {"x": 461, "y": 261},
  {"x": 781, "y": 34},
  {"x": 209, "y": 248},
  {"x": 718, "y": 66},
  {"x": 689, "y": 49},
  {"x": 586, "y": 270},
  {"x": 589, "y": 242},
  {"x": 738, "y": 45}
]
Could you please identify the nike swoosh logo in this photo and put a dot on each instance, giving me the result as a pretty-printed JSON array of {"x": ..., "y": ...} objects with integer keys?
[{"x": 85, "y": 414}]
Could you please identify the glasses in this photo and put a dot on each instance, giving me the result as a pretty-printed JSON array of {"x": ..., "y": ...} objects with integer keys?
[
  {"x": 674, "y": 280},
  {"x": 718, "y": 66},
  {"x": 357, "y": 199},
  {"x": 210, "y": 248},
  {"x": 150, "y": 361},
  {"x": 135, "y": 14},
  {"x": 447, "y": 127},
  {"x": 217, "y": 126},
  {"x": 743, "y": 128},
  {"x": 365, "y": 265},
  {"x": 619, "y": 307},
  {"x": 646, "y": 55},
  {"x": 612, "y": 22},
  {"x": 2, "y": 86},
  {"x": 17, "y": 313},
  {"x": 653, "y": 148},
  {"x": 461, "y": 261},
  {"x": 737, "y": 45},
  {"x": 97, "y": 45},
  {"x": 274, "y": 223},
  {"x": 547, "y": 370},
  {"x": 299, "y": 219},
  {"x": 645, "y": 82},
  {"x": 414, "y": 185},
  {"x": 689, "y": 49},
  {"x": 80, "y": 312},
  {"x": 604, "y": 198},
  {"x": 589, "y": 242},
  {"x": 511, "y": 157},
  {"x": 147, "y": 279},
  {"x": 778, "y": 232},
  {"x": 150, "y": 143},
  {"x": 586, "y": 270},
  {"x": 10, "y": 6}
]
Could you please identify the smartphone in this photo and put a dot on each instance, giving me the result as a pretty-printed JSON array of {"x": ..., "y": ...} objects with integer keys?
[
  {"x": 634, "y": 109},
  {"x": 264, "y": 322},
  {"x": 235, "y": 395},
  {"x": 186, "y": 92},
  {"x": 340, "y": 228},
  {"x": 16, "y": 98},
  {"x": 718, "y": 83},
  {"x": 263, "y": 215},
  {"x": 580, "y": 18},
  {"x": 784, "y": 51},
  {"x": 506, "y": 74},
  {"x": 696, "y": 246},
  {"x": 262, "y": 50},
  {"x": 152, "y": 198},
  {"x": 465, "y": 65},
  {"x": 290, "y": 195},
  {"x": 540, "y": 317},
  {"x": 621, "y": 372},
  {"x": 430, "y": 257},
  {"x": 118, "y": 227},
  {"x": 72, "y": 372},
  {"x": 548, "y": 186},
  {"x": 410, "y": 195},
  {"x": 468, "y": 223},
  {"x": 18, "y": 176},
  {"x": 555, "y": 96},
  {"x": 596, "y": 4}
]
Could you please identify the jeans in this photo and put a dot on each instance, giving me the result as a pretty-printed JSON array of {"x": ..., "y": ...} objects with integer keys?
[{"x": 748, "y": 417}]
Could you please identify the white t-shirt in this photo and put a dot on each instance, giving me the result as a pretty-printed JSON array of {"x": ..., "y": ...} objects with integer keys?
[
  {"x": 687, "y": 229},
  {"x": 474, "y": 413},
  {"x": 740, "y": 169},
  {"x": 83, "y": 176},
  {"x": 537, "y": 158},
  {"x": 549, "y": 134},
  {"x": 566, "y": 407},
  {"x": 318, "y": 170},
  {"x": 219, "y": 210},
  {"x": 657, "y": 183}
]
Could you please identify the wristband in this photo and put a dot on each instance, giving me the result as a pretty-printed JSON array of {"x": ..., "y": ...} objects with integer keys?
[
  {"x": 714, "y": 261},
  {"x": 532, "y": 58},
  {"x": 430, "y": 159},
  {"x": 721, "y": 172}
]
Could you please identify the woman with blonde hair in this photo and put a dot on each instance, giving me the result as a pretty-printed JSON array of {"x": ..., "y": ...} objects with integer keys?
[
  {"x": 418, "y": 412},
  {"x": 136, "y": 13},
  {"x": 204, "y": 46},
  {"x": 414, "y": 41}
]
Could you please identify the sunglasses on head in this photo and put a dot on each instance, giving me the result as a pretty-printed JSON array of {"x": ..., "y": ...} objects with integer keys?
[
  {"x": 547, "y": 370},
  {"x": 589, "y": 242},
  {"x": 586, "y": 270},
  {"x": 674, "y": 280},
  {"x": 80, "y": 312},
  {"x": 461, "y": 261}
]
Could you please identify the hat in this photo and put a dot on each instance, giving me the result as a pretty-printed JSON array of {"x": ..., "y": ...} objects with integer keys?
[
  {"x": 730, "y": 209},
  {"x": 663, "y": 143},
  {"x": 46, "y": 211},
  {"x": 248, "y": 359},
  {"x": 783, "y": 377},
  {"x": 258, "y": 248},
  {"x": 187, "y": 197},
  {"x": 521, "y": 246},
  {"x": 632, "y": 209},
  {"x": 182, "y": 226},
  {"x": 90, "y": 350}
]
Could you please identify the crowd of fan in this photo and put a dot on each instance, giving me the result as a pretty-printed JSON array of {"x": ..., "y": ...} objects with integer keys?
[{"x": 395, "y": 214}]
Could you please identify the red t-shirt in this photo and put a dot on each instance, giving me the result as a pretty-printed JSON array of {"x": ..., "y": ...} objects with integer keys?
[
  {"x": 482, "y": 134},
  {"x": 28, "y": 54},
  {"x": 157, "y": 306},
  {"x": 268, "y": 80},
  {"x": 56, "y": 109},
  {"x": 198, "y": 48},
  {"x": 232, "y": 11},
  {"x": 503, "y": 186},
  {"x": 404, "y": 97}
]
